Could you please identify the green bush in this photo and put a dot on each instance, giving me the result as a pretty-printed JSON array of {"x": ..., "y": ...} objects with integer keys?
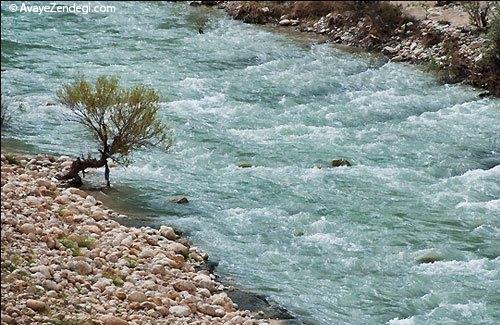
[
  {"x": 478, "y": 12},
  {"x": 71, "y": 245}
]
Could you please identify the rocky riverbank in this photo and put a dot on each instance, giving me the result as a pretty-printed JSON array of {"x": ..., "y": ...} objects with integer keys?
[
  {"x": 66, "y": 261},
  {"x": 414, "y": 31}
]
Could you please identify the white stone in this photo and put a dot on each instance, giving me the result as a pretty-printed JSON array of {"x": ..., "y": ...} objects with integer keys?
[
  {"x": 285, "y": 22},
  {"x": 179, "y": 311},
  {"x": 168, "y": 232}
]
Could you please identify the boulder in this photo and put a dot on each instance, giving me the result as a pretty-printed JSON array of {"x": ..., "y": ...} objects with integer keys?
[
  {"x": 81, "y": 267},
  {"x": 101, "y": 284},
  {"x": 183, "y": 285},
  {"x": 112, "y": 320},
  {"x": 27, "y": 228},
  {"x": 137, "y": 296},
  {"x": 390, "y": 50},
  {"x": 179, "y": 311},
  {"x": 44, "y": 270},
  {"x": 204, "y": 281},
  {"x": 168, "y": 232},
  {"x": 178, "y": 248},
  {"x": 429, "y": 257},
  {"x": 98, "y": 215},
  {"x": 179, "y": 199},
  {"x": 245, "y": 164},
  {"x": 210, "y": 310},
  {"x": 285, "y": 22},
  {"x": 340, "y": 162},
  {"x": 36, "y": 305}
]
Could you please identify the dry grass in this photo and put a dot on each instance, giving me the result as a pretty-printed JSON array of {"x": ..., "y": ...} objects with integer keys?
[
  {"x": 317, "y": 9},
  {"x": 259, "y": 12}
]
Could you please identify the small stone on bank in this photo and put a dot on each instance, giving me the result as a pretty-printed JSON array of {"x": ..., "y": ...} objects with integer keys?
[
  {"x": 179, "y": 311},
  {"x": 36, "y": 305}
]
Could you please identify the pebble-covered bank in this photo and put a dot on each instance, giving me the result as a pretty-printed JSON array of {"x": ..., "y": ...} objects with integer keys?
[{"x": 66, "y": 261}]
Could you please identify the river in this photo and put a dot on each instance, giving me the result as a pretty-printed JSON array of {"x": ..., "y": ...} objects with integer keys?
[{"x": 332, "y": 245}]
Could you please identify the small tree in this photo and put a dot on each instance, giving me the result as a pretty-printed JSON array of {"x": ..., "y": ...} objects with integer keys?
[
  {"x": 120, "y": 121},
  {"x": 478, "y": 12}
]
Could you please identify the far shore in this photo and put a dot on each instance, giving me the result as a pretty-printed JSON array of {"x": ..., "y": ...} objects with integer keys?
[{"x": 440, "y": 39}]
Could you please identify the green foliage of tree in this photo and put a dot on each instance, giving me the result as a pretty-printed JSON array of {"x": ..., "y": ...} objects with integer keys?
[
  {"x": 478, "y": 12},
  {"x": 120, "y": 120}
]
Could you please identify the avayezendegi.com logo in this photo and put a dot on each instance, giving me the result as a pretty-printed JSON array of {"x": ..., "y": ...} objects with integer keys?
[{"x": 75, "y": 8}]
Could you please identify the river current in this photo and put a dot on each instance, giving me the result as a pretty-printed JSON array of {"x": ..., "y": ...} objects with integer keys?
[{"x": 332, "y": 245}]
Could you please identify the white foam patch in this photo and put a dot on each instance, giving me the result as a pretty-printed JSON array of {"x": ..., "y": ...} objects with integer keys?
[
  {"x": 193, "y": 83},
  {"x": 493, "y": 205},
  {"x": 206, "y": 105},
  {"x": 478, "y": 174},
  {"x": 473, "y": 267},
  {"x": 466, "y": 310},
  {"x": 404, "y": 321},
  {"x": 331, "y": 239},
  {"x": 147, "y": 171},
  {"x": 312, "y": 173},
  {"x": 290, "y": 131}
]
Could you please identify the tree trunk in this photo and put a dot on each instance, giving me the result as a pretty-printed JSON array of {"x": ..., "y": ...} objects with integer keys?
[
  {"x": 106, "y": 174},
  {"x": 80, "y": 165}
]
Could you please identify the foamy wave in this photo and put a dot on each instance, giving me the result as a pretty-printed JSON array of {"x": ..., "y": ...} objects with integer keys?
[
  {"x": 493, "y": 205},
  {"x": 472, "y": 267},
  {"x": 466, "y": 310},
  {"x": 194, "y": 83},
  {"x": 479, "y": 174},
  {"x": 206, "y": 105},
  {"x": 404, "y": 321},
  {"x": 292, "y": 131},
  {"x": 331, "y": 239}
]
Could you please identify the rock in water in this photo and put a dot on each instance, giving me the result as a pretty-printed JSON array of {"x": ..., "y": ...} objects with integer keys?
[
  {"x": 429, "y": 258},
  {"x": 179, "y": 199},
  {"x": 245, "y": 164},
  {"x": 340, "y": 162}
]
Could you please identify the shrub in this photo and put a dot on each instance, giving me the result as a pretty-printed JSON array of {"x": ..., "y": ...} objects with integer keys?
[
  {"x": 385, "y": 17},
  {"x": 478, "y": 12},
  {"x": 85, "y": 241},
  {"x": 255, "y": 12},
  {"x": 116, "y": 278},
  {"x": 131, "y": 263},
  {"x": 71, "y": 245},
  {"x": 455, "y": 68},
  {"x": 316, "y": 9},
  {"x": 431, "y": 38},
  {"x": 490, "y": 65},
  {"x": 11, "y": 159}
]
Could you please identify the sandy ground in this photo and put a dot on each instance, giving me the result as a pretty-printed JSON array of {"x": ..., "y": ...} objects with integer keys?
[{"x": 420, "y": 10}]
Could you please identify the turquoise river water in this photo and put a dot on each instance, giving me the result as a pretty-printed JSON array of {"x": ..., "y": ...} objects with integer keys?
[{"x": 332, "y": 245}]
